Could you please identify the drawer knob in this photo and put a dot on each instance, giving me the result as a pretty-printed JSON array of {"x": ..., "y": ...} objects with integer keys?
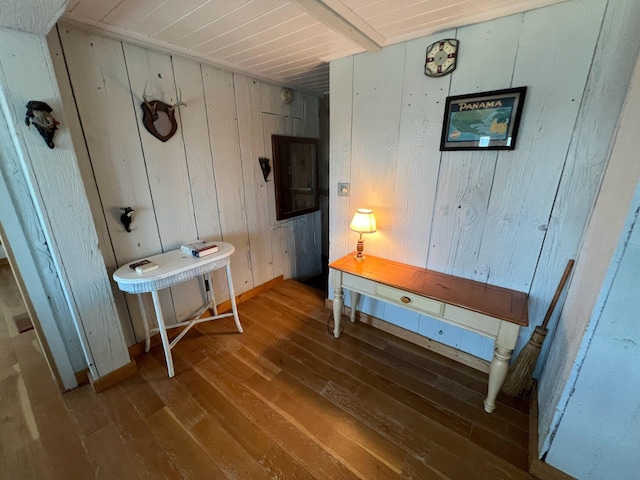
[{"x": 405, "y": 299}]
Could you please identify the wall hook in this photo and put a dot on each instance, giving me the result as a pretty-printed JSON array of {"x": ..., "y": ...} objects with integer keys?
[
  {"x": 266, "y": 168},
  {"x": 125, "y": 218}
]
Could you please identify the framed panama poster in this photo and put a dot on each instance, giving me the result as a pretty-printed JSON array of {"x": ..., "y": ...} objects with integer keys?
[{"x": 483, "y": 121}]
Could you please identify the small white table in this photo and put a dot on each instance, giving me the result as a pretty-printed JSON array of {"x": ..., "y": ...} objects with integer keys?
[{"x": 176, "y": 267}]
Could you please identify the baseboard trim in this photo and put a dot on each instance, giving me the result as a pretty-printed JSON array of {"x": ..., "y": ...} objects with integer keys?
[
  {"x": 111, "y": 378},
  {"x": 82, "y": 377},
  {"x": 137, "y": 349},
  {"x": 417, "y": 339},
  {"x": 537, "y": 467}
]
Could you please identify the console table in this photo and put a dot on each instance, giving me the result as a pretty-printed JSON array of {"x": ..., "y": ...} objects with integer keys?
[
  {"x": 176, "y": 267},
  {"x": 491, "y": 311}
]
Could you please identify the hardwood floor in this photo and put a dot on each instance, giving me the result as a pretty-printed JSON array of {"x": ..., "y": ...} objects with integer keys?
[{"x": 283, "y": 400}]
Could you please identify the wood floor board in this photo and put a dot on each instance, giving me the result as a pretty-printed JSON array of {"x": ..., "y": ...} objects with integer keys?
[
  {"x": 110, "y": 458},
  {"x": 182, "y": 405},
  {"x": 338, "y": 434},
  {"x": 300, "y": 364},
  {"x": 397, "y": 423},
  {"x": 28, "y": 462},
  {"x": 17, "y": 421},
  {"x": 418, "y": 390},
  {"x": 142, "y": 397},
  {"x": 34, "y": 369},
  {"x": 61, "y": 440},
  {"x": 390, "y": 385},
  {"x": 512, "y": 416},
  {"x": 7, "y": 355},
  {"x": 297, "y": 323},
  {"x": 415, "y": 469},
  {"x": 135, "y": 432},
  {"x": 226, "y": 411},
  {"x": 186, "y": 453},
  {"x": 313, "y": 458},
  {"x": 516, "y": 454},
  {"x": 230, "y": 456},
  {"x": 86, "y": 410},
  {"x": 283, "y": 400},
  {"x": 436, "y": 410}
]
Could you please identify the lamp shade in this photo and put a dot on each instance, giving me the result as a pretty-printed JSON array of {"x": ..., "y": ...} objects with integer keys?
[{"x": 363, "y": 221}]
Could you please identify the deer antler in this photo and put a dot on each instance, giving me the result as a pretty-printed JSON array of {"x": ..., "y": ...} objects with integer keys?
[
  {"x": 177, "y": 104},
  {"x": 152, "y": 108}
]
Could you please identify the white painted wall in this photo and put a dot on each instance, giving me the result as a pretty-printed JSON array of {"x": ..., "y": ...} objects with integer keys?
[
  {"x": 599, "y": 432},
  {"x": 591, "y": 383},
  {"x": 205, "y": 182},
  {"x": 57, "y": 206},
  {"x": 510, "y": 218}
]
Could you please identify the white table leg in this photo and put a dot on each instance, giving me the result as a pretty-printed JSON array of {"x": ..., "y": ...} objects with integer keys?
[
  {"x": 505, "y": 343},
  {"x": 163, "y": 333},
  {"x": 355, "y": 296},
  {"x": 338, "y": 301},
  {"x": 145, "y": 324},
  {"x": 211, "y": 297},
  {"x": 232, "y": 297},
  {"x": 497, "y": 374}
]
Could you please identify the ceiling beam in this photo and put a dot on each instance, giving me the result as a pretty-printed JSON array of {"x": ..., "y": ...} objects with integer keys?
[{"x": 340, "y": 18}]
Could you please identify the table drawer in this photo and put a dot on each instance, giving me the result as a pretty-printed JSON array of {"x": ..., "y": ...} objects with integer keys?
[
  {"x": 409, "y": 300},
  {"x": 471, "y": 320}
]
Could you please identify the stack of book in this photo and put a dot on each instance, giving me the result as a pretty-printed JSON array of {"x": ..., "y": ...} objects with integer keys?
[{"x": 200, "y": 248}]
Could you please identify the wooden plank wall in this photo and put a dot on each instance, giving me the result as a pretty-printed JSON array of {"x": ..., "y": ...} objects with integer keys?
[
  {"x": 61, "y": 209},
  {"x": 205, "y": 182},
  {"x": 509, "y": 218}
]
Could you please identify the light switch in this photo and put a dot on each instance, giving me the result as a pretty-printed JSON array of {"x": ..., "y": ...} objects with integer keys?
[{"x": 343, "y": 189}]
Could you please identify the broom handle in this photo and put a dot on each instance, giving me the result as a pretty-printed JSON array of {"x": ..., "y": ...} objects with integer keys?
[{"x": 563, "y": 280}]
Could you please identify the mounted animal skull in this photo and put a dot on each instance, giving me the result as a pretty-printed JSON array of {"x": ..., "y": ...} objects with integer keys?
[{"x": 159, "y": 118}]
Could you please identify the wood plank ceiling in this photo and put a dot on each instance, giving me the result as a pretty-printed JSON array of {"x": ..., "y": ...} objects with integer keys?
[{"x": 281, "y": 41}]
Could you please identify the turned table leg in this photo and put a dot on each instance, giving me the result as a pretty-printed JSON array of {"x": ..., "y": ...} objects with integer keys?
[
  {"x": 497, "y": 374},
  {"x": 505, "y": 343}
]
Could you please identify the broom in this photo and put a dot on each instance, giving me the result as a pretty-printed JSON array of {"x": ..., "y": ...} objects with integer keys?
[{"x": 519, "y": 382}]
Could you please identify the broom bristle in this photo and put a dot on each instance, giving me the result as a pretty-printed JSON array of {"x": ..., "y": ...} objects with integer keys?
[{"x": 519, "y": 382}]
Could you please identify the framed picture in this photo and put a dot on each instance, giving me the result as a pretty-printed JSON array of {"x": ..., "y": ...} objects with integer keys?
[{"x": 483, "y": 121}]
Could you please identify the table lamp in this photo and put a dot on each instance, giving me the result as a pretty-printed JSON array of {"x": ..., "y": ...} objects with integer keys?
[{"x": 363, "y": 222}]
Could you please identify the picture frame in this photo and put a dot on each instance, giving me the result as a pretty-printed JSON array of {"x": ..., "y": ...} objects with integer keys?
[{"x": 483, "y": 121}]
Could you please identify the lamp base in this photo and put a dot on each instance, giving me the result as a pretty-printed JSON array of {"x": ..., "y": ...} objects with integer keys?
[{"x": 360, "y": 248}]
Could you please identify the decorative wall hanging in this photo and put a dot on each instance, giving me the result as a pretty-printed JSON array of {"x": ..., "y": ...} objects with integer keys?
[
  {"x": 159, "y": 118},
  {"x": 286, "y": 95},
  {"x": 39, "y": 113},
  {"x": 483, "y": 121},
  {"x": 126, "y": 219},
  {"x": 441, "y": 58},
  {"x": 266, "y": 168}
]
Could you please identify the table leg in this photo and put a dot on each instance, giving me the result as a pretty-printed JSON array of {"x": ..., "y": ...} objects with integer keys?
[
  {"x": 232, "y": 298},
  {"x": 505, "y": 343},
  {"x": 497, "y": 374},
  {"x": 355, "y": 296},
  {"x": 163, "y": 333},
  {"x": 211, "y": 297},
  {"x": 145, "y": 324},
  {"x": 338, "y": 301}
]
